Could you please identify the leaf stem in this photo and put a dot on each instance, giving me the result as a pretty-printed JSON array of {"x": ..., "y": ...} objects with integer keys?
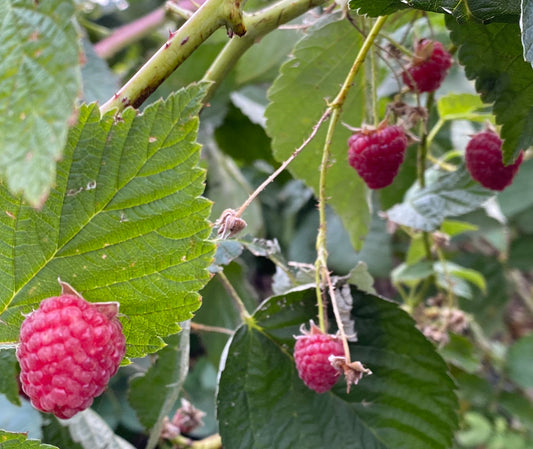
[
  {"x": 235, "y": 296},
  {"x": 206, "y": 328},
  {"x": 212, "y": 15},
  {"x": 210, "y": 442},
  {"x": 335, "y": 107}
]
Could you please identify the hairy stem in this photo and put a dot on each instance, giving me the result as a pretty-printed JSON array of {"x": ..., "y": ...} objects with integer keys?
[
  {"x": 234, "y": 295},
  {"x": 335, "y": 107},
  {"x": 212, "y": 15}
]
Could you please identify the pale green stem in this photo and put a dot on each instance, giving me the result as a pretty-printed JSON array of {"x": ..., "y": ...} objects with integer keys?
[
  {"x": 335, "y": 107},
  {"x": 212, "y": 15},
  {"x": 235, "y": 296}
]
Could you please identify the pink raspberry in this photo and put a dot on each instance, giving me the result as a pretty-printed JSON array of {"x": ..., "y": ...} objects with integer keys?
[
  {"x": 311, "y": 355},
  {"x": 429, "y": 66},
  {"x": 376, "y": 154},
  {"x": 68, "y": 351},
  {"x": 484, "y": 161}
]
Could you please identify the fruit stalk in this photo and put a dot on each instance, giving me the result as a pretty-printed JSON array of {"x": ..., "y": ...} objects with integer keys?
[{"x": 322, "y": 273}]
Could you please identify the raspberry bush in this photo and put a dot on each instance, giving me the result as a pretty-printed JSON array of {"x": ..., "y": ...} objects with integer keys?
[{"x": 192, "y": 163}]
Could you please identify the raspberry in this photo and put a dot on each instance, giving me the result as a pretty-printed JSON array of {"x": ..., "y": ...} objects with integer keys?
[
  {"x": 311, "y": 353},
  {"x": 484, "y": 161},
  {"x": 68, "y": 351},
  {"x": 428, "y": 68},
  {"x": 376, "y": 154}
]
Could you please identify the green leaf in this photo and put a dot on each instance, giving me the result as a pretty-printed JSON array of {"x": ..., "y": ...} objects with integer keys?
[
  {"x": 477, "y": 431},
  {"x": 39, "y": 82},
  {"x": 461, "y": 107},
  {"x": 461, "y": 352},
  {"x": 479, "y": 10},
  {"x": 162, "y": 384},
  {"x": 9, "y": 440},
  {"x": 377, "y": 8},
  {"x": 8, "y": 379},
  {"x": 99, "y": 82},
  {"x": 457, "y": 271},
  {"x": 519, "y": 362},
  {"x": 412, "y": 274},
  {"x": 492, "y": 55},
  {"x": 455, "y": 227},
  {"x": 314, "y": 73},
  {"x": 408, "y": 401},
  {"x": 125, "y": 222},
  {"x": 516, "y": 198},
  {"x": 92, "y": 432},
  {"x": 451, "y": 194}
]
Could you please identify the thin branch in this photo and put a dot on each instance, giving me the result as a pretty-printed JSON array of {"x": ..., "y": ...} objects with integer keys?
[
  {"x": 212, "y": 15},
  {"x": 206, "y": 328},
  {"x": 284, "y": 165},
  {"x": 127, "y": 34},
  {"x": 234, "y": 295}
]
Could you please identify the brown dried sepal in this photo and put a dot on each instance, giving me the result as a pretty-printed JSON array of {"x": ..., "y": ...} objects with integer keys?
[
  {"x": 185, "y": 420},
  {"x": 353, "y": 371},
  {"x": 229, "y": 224}
]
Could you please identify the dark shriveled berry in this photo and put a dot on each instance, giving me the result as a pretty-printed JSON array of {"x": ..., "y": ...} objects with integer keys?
[
  {"x": 483, "y": 156},
  {"x": 376, "y": 154},
  {"x": 69, "y": 349}
]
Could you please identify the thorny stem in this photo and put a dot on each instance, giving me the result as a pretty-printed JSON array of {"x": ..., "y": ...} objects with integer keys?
[
  {"x": 212, "y": 15},
  {"x": 234, "y": 295},
  {"x": 335, "y": 107}
]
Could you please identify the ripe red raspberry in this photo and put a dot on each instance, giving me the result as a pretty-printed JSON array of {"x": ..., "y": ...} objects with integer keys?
[
  {"x": 484, "y": 161},
  {"x": 429, "y": 66},
  {"x": 311, "y": 354},
  {"x": 376, "y": 154},
  {"x": 68, "y": 351}
]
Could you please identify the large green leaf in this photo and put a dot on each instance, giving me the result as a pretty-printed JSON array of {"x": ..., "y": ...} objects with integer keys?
[
  {"x": 519, "y": 363},
  {"x": 492, "y": 55},
  {"x": 8, "y": 380},
  {"x": 408, "y": 401},
  {"x": 162, "y": 384},
  {"x": 39, "y": 82},
  {"x": 479, "y": 10},
  {"x": 449, "y": 195},
  {"x": 125, "y": 222},
  {"x": 9, "y": 440},
  {"x": 313, "y": 74}
]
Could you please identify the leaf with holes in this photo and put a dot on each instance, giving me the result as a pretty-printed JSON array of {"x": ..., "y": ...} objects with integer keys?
[{"x": 125, "y": 222}]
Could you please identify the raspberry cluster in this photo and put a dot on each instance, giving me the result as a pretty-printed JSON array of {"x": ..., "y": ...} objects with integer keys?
[
  {"x": 69, "y": 349},
  {"x": 311, "y": 355},
  {"x": 484, "y": 161},
  {"x": 428, "y": 68},
  {"x": 376, "y": 154}
]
